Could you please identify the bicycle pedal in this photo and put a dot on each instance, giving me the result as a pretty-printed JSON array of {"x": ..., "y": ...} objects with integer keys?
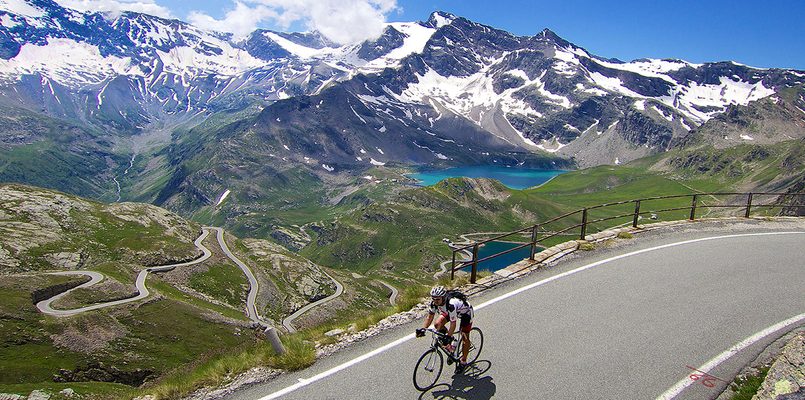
[{"x": 449, "y": 361}]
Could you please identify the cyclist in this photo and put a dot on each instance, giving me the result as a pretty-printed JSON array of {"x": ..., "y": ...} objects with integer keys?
[{"x": 449, "y": 309}]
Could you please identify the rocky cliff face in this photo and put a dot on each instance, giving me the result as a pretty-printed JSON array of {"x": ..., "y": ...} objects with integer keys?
[
  {"x": 786, "y": 378},
  {"x": 301, "y": 281}
]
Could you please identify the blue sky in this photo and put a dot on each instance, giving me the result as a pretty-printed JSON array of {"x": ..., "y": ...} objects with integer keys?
[
  {"x": 758, "y": 33},
  {"x": 767, "y": 33}
]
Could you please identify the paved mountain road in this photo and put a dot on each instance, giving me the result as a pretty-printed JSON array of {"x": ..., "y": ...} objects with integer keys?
[
  {"x": 142, "y": 290},
  {"x": 254, "y": 286},
  {"x": 288, "y": 321},
  {"x": 628, "y": 327}
]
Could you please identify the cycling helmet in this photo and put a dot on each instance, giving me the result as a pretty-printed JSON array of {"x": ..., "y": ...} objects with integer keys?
[{"x": 438, "y": 291}]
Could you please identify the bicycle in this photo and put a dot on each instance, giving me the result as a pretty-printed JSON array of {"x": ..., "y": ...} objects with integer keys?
[{"x": 429, "y": 367}]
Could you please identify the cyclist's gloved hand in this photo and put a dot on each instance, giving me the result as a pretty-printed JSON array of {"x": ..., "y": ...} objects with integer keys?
[{"x": 420, "y": 332}]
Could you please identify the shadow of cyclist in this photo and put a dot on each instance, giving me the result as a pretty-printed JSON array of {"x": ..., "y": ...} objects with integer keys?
[{"x": 473, "y": 384}]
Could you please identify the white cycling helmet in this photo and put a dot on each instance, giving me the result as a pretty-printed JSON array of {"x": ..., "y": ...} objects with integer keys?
[{"x": 438, "y": 291}]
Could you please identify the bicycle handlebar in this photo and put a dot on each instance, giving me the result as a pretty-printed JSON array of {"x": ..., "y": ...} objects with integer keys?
[{"x": 439, "y": 334}]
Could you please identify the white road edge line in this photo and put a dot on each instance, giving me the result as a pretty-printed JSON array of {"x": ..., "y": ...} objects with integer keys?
[
  {"x": 404, "y": 339},
  {"x": 684, "y": 383}
]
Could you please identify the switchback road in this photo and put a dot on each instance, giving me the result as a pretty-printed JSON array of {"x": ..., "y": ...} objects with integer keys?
[
  {"x": 288, "y": 321},
  {"x": 254, "y": 286},
  {"x": 142, "y": 290}
]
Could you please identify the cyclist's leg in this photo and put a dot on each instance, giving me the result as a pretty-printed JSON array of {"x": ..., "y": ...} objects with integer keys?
[
  {"x": 440, "y": 322},
  {"x": 466, "y": 326}
]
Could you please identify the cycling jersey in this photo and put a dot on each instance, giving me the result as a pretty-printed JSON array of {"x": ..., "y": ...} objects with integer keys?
[{"x": 454, "y": 309}]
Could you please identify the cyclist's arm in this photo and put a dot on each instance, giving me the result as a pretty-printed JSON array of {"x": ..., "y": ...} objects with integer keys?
[{"x": 428, "y": 320}]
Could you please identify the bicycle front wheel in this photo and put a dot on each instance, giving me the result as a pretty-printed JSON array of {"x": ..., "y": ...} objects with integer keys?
[
  {"x": 428, "y": 369},
  {"x": 476, "y": 345}
]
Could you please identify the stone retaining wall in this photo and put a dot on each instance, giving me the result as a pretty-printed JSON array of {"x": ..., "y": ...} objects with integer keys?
[{"x": 50, "y": 291}]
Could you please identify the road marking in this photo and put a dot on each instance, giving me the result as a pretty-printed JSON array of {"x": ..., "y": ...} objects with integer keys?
[
  {"x": 707, "y": 379},
  {"x": 634, "y": 253},
  {"x": 404, "y": 339},
  {"x": 343, "y": 366},
  {"x": 684, "y": 383}
]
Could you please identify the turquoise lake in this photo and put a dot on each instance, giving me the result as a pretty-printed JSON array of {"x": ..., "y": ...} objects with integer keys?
[
  {"x": 515, "y": 178},
  {"x": 503, "y": 261}
]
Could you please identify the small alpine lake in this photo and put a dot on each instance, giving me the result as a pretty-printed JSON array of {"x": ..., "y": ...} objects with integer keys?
[
  {"x": 504, "y": 260},
  {"x": 514, "y": 178}
]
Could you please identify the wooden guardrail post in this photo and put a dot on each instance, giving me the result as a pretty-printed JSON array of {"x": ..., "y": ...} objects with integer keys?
[
  {"x": 748, "y": 205},
  {"x": 583, "y": 223},
  {"x": 636, "y": 213},
  {"x": 693, "y": 207},
  {"x": 453, "y": 267},
  {"x": 474, "y": 272},
  {"x": 533, "y": 242}
]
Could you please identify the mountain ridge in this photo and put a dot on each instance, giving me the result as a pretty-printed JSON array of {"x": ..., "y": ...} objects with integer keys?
[{"x": 445, "y": 91}]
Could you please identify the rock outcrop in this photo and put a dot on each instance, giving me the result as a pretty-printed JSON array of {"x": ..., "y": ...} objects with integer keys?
[{"x": 786, "y": 378}]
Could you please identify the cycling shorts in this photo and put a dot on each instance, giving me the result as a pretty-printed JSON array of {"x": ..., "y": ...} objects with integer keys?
[{"x": 465, "y": 321}]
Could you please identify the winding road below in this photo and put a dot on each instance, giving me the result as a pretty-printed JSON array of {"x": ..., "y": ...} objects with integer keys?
[
  {"x": 254, "y": 286},
  {"x": 631, "y": 321},
  {"x": 288, "y": 321},
  {"x": 394, "y": 292},
  {"x": 142, "y": 291}
]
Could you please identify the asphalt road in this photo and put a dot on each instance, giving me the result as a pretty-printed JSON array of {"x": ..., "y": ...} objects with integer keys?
[
  {"x": 627, "y": 328},
  {"x": 288, "y": 321},
  {"x": 254, "y": 286},
  {"x": 394, "y": 292},
  {"x": 142, "y": 290}
]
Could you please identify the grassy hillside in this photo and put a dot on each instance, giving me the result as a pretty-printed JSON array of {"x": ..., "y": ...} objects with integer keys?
[
  {"x": 48, "y": 152},
  {"x": 194, "y": 317}
]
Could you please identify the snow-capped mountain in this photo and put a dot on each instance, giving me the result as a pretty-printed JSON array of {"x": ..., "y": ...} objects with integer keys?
[
  {"x": 541, "y": 93},
  {"x": 135, "y": 68}
]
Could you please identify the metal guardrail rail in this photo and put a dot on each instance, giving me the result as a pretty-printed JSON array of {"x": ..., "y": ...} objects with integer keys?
[{"x": 581, "y": 219}]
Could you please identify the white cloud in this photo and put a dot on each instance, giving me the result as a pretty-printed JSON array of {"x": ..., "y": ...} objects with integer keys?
[
  {"x": 118, "y": 6},
  {"x": 241, "y": 21},
  {"x": 342, "y": 21}
]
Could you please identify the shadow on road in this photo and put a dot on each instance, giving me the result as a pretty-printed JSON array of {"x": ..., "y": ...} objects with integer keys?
[{"x": 472, "y": 384}]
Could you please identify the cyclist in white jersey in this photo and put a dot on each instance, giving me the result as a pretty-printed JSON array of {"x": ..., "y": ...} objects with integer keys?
[{"x": 449, "y": 309}]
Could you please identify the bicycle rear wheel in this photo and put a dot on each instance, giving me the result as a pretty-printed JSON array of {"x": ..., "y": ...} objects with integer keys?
[
  {"x": 428, "y": 369},
  {"x": 476, "y": 345}
]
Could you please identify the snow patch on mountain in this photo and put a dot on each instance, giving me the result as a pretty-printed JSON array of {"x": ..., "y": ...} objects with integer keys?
[
  {"x": 728, "y": 92},
  {"x": 442, "y": 19},
  {"x": 613, "y": 84},
  {"x": 21, "y": 7},
  {"x": 8, "y": 22},
  {"x": 299, "y": 50},
  {"x": 551, "y": 146},
  {"x": 60, "y": 59},
  {"x": 651, "y": 68},
  {"x": 470, "y": 96},
  {"x": 222, "y": 198},
  {"x": 231, "y": 61},
  {"x": 417, "y": 37}
]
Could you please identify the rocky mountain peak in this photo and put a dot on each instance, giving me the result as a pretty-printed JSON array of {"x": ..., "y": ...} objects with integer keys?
[{"x": 439, "y": 19}]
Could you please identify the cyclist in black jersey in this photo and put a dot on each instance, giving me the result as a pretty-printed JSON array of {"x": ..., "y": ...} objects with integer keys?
[{"x": 449, "y": 309}]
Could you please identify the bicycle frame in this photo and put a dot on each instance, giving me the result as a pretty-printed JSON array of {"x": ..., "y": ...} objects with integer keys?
[{"x": 436, "y": 344}]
